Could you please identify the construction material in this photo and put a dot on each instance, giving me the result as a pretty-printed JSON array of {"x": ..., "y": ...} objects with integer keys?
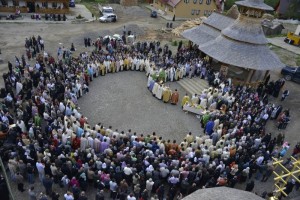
[{"x": 187, "y": 25}]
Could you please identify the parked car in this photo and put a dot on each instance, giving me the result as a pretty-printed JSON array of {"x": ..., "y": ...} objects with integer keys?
[
  {"x": 153, "y": 14},
  {"x": 72, "y": 3},
  {"x": 108, "y": 18},
  {"x": 291, "y": 73}
]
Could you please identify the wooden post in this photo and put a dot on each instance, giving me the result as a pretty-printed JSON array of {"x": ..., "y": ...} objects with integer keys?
[{"x": 250, "y": 74}]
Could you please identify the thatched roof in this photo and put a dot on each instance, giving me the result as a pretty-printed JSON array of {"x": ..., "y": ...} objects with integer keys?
[
  {"x": 239, "y": 42},
  {"x": 246, "y": 29},
  {"x": 257, "y": 4},
  {"x": 241, "y": 54},
  {"x": 209, "y": 29},
  {"x": 218, "y": 21},
  {"x": 201, "y": 34},
  {"x": 224, "y": 193},
  {"x": 233, "y": 12}
]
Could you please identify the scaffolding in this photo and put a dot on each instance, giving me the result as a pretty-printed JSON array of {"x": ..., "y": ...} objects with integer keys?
[{"x": 283, "y": 177}]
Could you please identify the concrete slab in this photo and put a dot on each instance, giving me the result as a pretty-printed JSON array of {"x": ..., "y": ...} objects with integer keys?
[
  {"x": 224, "y": 193},
  {"x": 279, "y": 41}
]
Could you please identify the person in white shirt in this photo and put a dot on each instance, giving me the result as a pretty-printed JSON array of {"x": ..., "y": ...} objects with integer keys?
[
  {"x": 131, "y": 197},
  {"x": 68, "y": 196}
]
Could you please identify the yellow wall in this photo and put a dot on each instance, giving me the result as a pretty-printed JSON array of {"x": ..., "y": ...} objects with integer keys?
[{"x": 185, "y": 8}]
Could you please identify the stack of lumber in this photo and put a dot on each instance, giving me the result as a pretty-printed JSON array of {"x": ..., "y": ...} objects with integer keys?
[{"x": 187, "y": 25}]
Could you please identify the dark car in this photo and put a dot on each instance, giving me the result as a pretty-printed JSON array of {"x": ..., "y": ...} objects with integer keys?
[
  {"x": 72, "y": 4},
  {"x": 153, "y": 14},
  {"x": 291, "y": 73}
]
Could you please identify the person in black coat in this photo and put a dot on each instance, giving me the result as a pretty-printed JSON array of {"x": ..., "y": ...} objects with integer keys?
[
  {"x": 249, "y": 186},
  {"x": 100, "y": 195}
]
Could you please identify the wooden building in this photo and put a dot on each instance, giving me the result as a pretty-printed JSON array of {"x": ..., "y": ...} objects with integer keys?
[
  {"x": 239, "y": 45},
  {"x": 35, "y": 6},
  {"x": 186, "y": 8}
]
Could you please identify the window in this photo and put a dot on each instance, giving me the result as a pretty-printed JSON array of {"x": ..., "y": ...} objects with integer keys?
[
  {"x": 15, "y": 2},
  {"x": 205, "y": 12},
  {"x": 208, "y": 2},
  {"x": 186, "y": 1},
  {"x": 197, "y": 12},
  {"x": 170, "y": 8},
  {"x": 193, "y": 12},
  {"x": 195, "y": 1},
  {"x": 200, "y": 1},
  {"x": 45, "y": 4},
  {"x": 54, "y": 5}
]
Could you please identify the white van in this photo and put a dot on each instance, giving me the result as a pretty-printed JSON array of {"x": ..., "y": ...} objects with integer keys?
[{"x": 106, "y": 10}]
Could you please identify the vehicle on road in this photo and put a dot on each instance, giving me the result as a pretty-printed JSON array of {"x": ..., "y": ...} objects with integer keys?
[
  {"x": 293, "y": 38},
  {"x": 108, "y": 18},
  {"x": 291, "y": 73},
  {"x": 72, "y": 3},
  {"x": 153, "y": 14},
  {"x": 104, "y": 10}
]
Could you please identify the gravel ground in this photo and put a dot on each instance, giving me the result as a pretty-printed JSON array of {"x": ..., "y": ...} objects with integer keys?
[{"x": 122, "y": 100}]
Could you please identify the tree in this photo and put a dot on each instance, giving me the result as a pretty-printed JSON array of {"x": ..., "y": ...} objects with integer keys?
[{"x": 293, "y": 11}]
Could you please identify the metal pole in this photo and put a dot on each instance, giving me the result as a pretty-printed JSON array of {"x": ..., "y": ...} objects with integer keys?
[{"x": 6, "y": 179}]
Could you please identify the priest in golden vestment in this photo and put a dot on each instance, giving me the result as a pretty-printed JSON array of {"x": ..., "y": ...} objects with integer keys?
[
  {"x": 175, "y": 97},
  {"x": 102, "y": 69},
  {"x": 185, "y": 99},
  {"x": 166, "y": 94}
]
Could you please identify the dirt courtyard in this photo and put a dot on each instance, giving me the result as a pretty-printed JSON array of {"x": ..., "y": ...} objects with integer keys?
[{"x": 12, "y": 40}]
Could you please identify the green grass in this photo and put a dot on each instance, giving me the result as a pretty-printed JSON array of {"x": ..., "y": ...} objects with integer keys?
[
  {"x": 286, "y": 57},
  {"x": 298, "y": 61},
  {"x": 279, "y": 35},
  {"x": 92, "y": 5}
]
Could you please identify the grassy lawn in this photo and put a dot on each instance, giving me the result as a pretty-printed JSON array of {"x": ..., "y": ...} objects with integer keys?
[
  {"x": 92, "y": 5},
  {"x": 298, "y": 61},
  {"x": 286, "y": 57}
]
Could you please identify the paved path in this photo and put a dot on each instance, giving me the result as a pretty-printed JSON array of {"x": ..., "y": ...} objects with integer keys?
[{"x": 279, "y": 41}]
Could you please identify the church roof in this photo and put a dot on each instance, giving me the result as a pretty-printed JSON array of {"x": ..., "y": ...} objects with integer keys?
[
  {"x": 257, "y": 4},
  {"x": 218, "y": 21},
  {"x": 241, "y": 54},
  {"x": 201, "y": 34},
  {"x": 209, "y": 29},
  {"x": 239, "y": 42}
]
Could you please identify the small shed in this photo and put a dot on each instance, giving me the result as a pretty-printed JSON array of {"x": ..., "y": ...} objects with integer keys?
[{"x": 272, "y": 27}]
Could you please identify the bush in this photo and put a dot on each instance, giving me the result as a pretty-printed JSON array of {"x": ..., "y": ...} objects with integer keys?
[
  {"x": 79, "y": 17},
  {"x": 174, "y": 43}
]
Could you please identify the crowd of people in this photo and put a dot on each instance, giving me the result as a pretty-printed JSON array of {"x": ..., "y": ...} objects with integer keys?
[{"x": 50, "y": 138}]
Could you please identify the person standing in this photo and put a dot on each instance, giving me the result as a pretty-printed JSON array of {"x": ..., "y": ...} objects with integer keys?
[
  {"x": 185, "y": 100},
  {"x": 113, "y": 189},
  {"x": 69, "y": 196},
  {"x": 30, "y": 173},
  {"x": 20, "y": 182},
  {"x": 48, "y": 182},
  {"x": 149, "y": 186},
  {"x": 161, "y": 192},
  {"x": 285, "y": 94},
  {"x": 174, "y": 97},
  {"x": 41, "y": 170},
  {"x": 250, "y": 186},
  {"x": 32, "y": 194}
]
